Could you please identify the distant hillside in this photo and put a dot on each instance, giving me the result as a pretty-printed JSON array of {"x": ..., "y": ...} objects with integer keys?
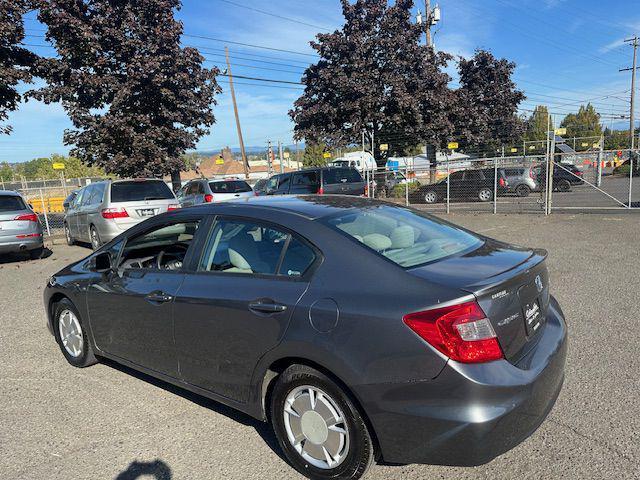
[{"x": 252, "y": 150}]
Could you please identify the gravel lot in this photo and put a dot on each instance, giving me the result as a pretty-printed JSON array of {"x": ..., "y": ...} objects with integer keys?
[{"x": 58, "y": 422}]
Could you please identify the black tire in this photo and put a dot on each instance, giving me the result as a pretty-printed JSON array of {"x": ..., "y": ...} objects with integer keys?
[
  {"x": 86, "y": 356},
  {"x": 523, "y": 190},
  {"x": 36, "y": 253},
  {"x": 485, "y": 195},
  {"x": 67, "y": 233},
  {"x": 563, "y": 185},
  {"x": 360, "y": 455},
  {"x": 430, "y": 196},
  {"x": 94, "y": 236}
]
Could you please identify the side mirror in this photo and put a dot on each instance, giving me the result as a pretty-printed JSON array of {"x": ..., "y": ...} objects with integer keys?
[
  {"x": 103, "y": 262},
  {"x": 65, "y": 205}
]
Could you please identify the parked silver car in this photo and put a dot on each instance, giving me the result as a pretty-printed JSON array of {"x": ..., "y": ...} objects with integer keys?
[
  {"x": 103, "y": 210},
  {"x": 201, "y": 191},
  {"x": 20, "y": 229},
  {"x": 520, "y": 180}
]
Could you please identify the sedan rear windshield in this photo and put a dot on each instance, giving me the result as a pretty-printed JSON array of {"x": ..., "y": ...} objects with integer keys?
[
  {"x": 404, "y": 236},
  {"x": 229, "y": 186},
  {"x": 11, "y": 203},
  {"x": 136, "y": 191}
]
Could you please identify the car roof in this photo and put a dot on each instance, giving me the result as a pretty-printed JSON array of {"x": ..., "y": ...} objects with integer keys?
[
  {"x": 13, "y": 193},
  {"x": 308, "y": 206}
]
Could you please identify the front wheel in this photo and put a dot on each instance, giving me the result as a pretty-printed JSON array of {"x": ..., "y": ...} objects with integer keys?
[
  {"x": 320, "y": 430},
  {"x": 67, "y": 233},
  {"x": 523, "y": 190},
  {"x": 430, "y": 197},
  {"x": 485, "y": 195},
  {"x": 71, "y": 335},
  {"x": 563, "y": 186}
]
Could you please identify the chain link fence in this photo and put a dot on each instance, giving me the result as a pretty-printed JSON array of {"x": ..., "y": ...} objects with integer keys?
[
  {"x": 46, "y": 198},
  {"x": 601, "y": 180}
]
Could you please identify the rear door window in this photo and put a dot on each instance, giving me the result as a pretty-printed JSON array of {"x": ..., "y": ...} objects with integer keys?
[
  {"x": 11, "y": 203},
  {"x": 341, "y": 175},
  {"x": 306, "y": 179},
  {"x": 229, "y": 186},
  {"x": 138, "y": 191},
  {"x": 283, "y": 182}
]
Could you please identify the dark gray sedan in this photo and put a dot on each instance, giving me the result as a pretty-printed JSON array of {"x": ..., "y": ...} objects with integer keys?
[{"x": 361, "y": 330}]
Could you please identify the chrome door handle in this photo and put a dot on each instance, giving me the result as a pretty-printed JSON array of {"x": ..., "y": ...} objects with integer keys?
[
  {"x": 158, "y": 297},
  {"x": 267, "y": 307}
]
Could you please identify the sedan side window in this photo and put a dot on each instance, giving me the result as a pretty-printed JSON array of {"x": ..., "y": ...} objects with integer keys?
[{"x": 163, "y": 248}]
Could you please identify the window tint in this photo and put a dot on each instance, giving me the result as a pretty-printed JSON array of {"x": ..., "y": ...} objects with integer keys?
[
  {"x": 260, "y": 185},
  {"x": 297, "y": 259},
  {"x": 456, "y": 175},
  {"x": 229, "y": 186},
  {"x": 136, "y": 191},
  {"x": 306, "y": 178},
  {"x": 94, "y": 196},
  {"x": 405, "y": 237},
  {"x": 236, "y": 246},
  {"x": 473, "y": 175},
  {"x": 10, "y": 203},
  {"x": 283, "y": 182},
  {"x": 341, "y": 175},
  {"x": 162, "y": 248}
]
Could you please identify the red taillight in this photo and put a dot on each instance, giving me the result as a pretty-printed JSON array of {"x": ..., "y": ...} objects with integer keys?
[
  {"x": 29, "y": 235},
  {"x": 173, "y": 207},
  {"x": 208, "y": 198},
  {"x": 320, "y": 191},
  {"x": 119, "y": 212},
  {"x": 27, "y": 217},
  {"x": 366, "y": 190},
  {"x": 578, "y": 173},
  {"x": 502, "y": 182},
  {"x": 462, "y": 332}
]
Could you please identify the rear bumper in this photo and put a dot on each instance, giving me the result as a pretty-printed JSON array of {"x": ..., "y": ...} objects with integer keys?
[
  {"x": 11, "y": 244},
  {"x": 470, "y": 414}
]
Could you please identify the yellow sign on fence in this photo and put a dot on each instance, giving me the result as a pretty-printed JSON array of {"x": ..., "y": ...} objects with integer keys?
[
  {"x": 514, "y": 150},
  {"x": 452, "y": 145},
  {"x": 561, "y": 131},
  {"x": 326, "y": 155},
  {"x": 58, "y": 166},
  {"x": 584, "y": 144},
  {"x": 384, "y": 147},
  {"x": 532, "y": 147}
]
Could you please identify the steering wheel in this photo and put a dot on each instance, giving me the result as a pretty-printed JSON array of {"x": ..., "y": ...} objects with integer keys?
[{"x": 167, "y": 253}]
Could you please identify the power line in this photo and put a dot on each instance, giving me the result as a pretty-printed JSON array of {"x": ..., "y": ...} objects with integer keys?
[
  {"x": 282, "y": 17},
  {"x": 249, "y": 45}
]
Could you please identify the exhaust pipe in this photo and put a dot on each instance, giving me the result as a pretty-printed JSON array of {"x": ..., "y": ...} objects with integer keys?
[{"x": 23, "y": 247}]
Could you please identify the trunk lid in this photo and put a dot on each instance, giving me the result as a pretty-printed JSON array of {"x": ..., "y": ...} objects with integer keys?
[{"x": 511, "y": 285}]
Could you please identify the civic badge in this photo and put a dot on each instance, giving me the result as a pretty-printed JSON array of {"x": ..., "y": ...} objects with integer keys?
[{"x": 539, "y": 285}]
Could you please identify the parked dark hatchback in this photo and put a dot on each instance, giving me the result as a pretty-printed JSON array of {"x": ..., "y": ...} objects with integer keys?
[
  {"x": 564, "y": 177},
  {"x": 475, "y": 184},
  {"x": 324, "y": 180},
  {"x": 359, "y": 329}
]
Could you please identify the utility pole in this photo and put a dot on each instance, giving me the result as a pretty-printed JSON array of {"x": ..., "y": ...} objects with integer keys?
[
  {"x": 634, "y": 43},
  {"x": 281, "y": 156},
  {"x": 269, "y": 157},
  {"x": 245, "y": 164},
  {"x": 427, "y": 23}
]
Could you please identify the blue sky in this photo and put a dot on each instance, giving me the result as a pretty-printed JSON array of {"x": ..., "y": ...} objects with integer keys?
[{"x": 567, "y": 52}]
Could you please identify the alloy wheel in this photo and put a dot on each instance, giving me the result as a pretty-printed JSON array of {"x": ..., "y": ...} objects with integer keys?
[
  {"x": 95, "y": 239},
  {"x": 70, "y": 333},
  {"x": 485, "y": 195},
  {"x": 430, "y": 197},
  {"x": 316, "y": 427}
]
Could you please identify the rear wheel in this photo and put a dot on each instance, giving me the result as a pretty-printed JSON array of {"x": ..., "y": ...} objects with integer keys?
[
  {"x": 563, "y": 185},
  {"x": 71, "y": 335},
  {"x": 430, "y": 197},
  {"x": 95, "y": 238},
  {"x": 523, "y": 190},
  {"x": 485, "y": 195},
  {"x": 67, "y": 234},
  {"x": 318, "y": 427}
]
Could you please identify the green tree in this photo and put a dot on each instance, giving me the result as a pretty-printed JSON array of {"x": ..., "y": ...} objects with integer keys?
[
  {"x": 42, "y": 168},
  {"x": 6, "y": 172},
  {"x": 137, "y": 99},
  {"x": 585, "y": 123},
  {"x": 314, "y": 155},
  {"x": 538, "y": 124},
  {"x": 616, "y": 139}
]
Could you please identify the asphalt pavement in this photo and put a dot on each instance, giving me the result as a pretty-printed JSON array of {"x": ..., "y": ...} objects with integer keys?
[{"x": 108, "y": 422}]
